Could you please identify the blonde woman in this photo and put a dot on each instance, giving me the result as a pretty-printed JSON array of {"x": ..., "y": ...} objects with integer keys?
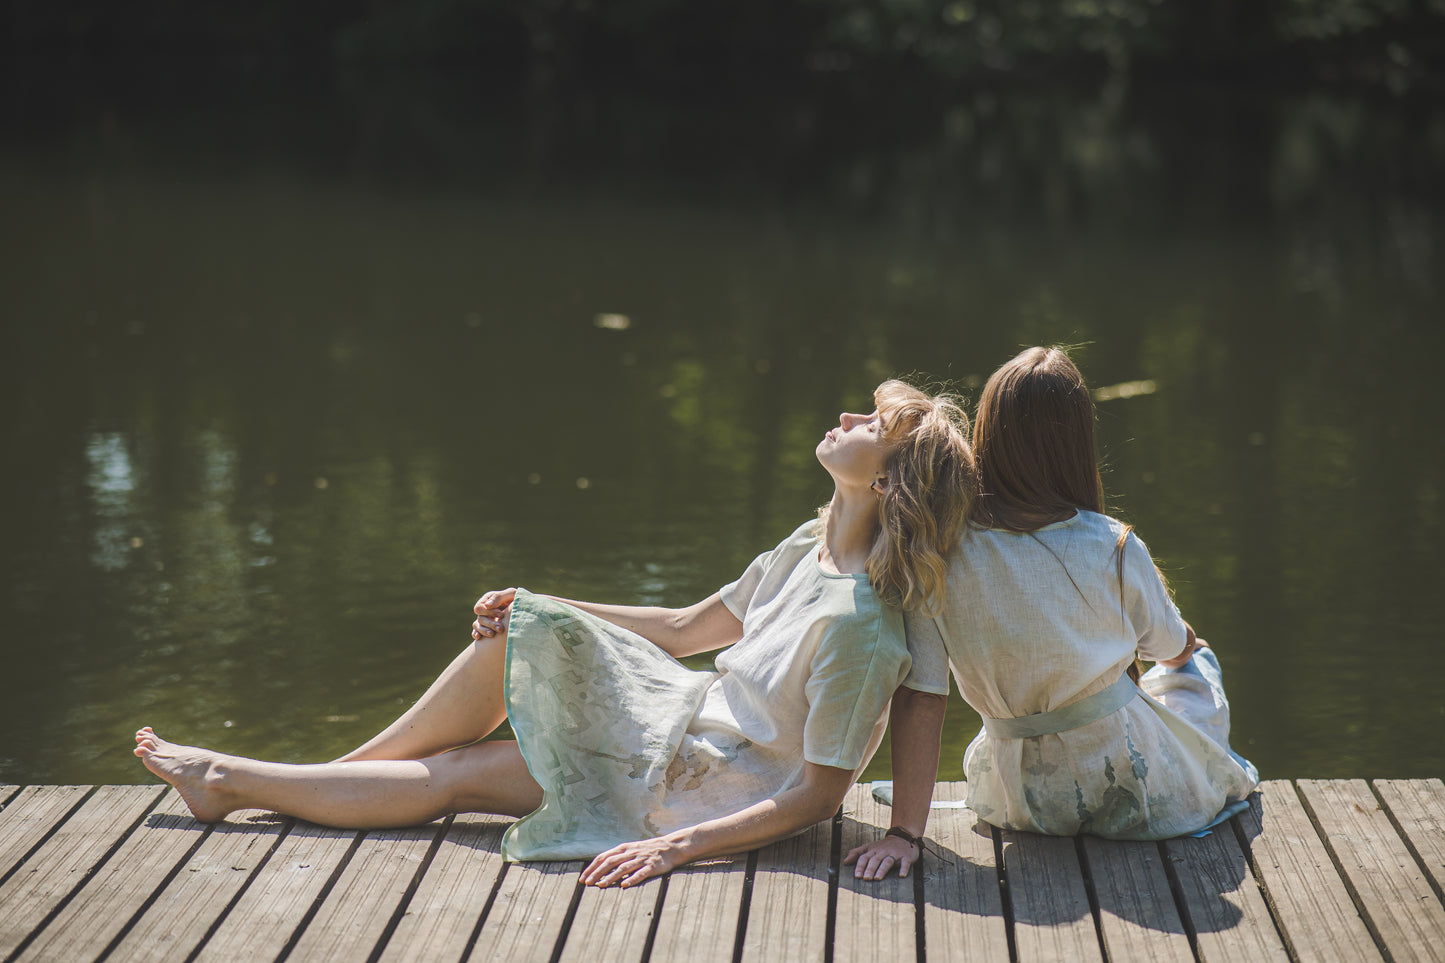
[{"x": 621, "y": 752}]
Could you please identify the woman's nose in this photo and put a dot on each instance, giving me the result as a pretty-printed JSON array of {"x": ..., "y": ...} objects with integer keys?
[{"x": 848, "y": 420}]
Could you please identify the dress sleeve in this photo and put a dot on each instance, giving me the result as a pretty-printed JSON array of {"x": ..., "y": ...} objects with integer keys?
[
  {"x": 854, "y": 673},
  {"x": 737, "y": 594},
  {"x": 1153, "y": 614},
  {"x": 929, "y": 670}
]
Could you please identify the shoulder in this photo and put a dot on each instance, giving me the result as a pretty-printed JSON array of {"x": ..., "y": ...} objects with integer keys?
[
  {"x": 1106, "y": 530},
  {"x": 1116, "y": 531},
  {"x": 792, "y": 548},
  {"x": 798, "y": 545},
  {"x": 807, "y": 534}
]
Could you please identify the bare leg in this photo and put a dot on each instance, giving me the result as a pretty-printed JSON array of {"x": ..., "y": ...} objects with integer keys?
[
  {"x": 463, "y": 705},
  {"x": 487, "y": 777}
]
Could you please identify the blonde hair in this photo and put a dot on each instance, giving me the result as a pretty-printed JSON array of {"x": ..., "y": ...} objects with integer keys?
[{"x": 932, "y": 480}]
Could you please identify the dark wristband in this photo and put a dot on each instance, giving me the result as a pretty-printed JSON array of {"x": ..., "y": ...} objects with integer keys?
[{"x": 906, "y": 836}]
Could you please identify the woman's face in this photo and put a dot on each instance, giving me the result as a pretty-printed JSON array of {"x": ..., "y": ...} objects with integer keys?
[{"x": 855, "y": 453}]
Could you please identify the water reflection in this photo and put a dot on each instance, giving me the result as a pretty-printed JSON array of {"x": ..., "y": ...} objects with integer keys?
[{"x": 279, "y": 411}]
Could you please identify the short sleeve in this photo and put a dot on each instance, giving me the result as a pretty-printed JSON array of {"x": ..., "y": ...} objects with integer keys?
[
  {"x": 1153, "y": 614},
  {"x": 849, "y": 687},
  {"x": 929, "y": 669},
  {"x": 737, "y": 594}
]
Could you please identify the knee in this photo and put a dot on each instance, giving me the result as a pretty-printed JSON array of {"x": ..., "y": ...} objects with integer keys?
[{"x": 490, "y": 777}]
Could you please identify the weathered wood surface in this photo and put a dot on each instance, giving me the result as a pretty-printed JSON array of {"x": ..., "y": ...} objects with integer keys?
[
  {"x": 1317, "y": 918},
  {"x": 1390, "y": 887},
  {"x": 1315, "y": 870}
]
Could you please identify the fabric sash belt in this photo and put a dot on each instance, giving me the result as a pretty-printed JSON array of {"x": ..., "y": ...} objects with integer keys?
[{"x": 1071, "y": 716}]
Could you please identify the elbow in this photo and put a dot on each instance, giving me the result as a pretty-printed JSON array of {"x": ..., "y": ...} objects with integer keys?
[
  {"x": 833, "y": 802},
  {"x": 819, "y": 804}
]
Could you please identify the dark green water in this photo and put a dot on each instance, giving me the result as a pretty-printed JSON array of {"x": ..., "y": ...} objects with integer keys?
[{"x": 286, "y": 386}]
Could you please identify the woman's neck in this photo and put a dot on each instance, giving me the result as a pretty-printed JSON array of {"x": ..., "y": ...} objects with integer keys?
[{"x": 849, "y": 532}]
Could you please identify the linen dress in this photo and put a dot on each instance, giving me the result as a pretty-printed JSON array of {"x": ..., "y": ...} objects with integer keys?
[
  {"x": 628, "y": 743},
  {"x": 1036, "y": 622}
]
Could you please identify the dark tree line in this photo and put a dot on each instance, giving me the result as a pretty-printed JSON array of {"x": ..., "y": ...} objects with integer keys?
[{"x": 738, "y": 39}]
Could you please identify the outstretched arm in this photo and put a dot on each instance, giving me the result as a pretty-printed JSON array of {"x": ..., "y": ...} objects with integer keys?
[
  {"x": 915, "y": 724},
  {"x": 816, "y": 797},
  {"x": 700, "y": 627}
]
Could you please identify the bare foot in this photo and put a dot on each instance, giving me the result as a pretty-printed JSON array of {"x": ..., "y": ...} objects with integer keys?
[{"x": 195, "y": 773}]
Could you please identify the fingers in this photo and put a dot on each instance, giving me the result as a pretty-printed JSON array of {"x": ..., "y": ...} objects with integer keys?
[
  {"x": 491, "y": 611},
  {"x": 874, "y": 861},
  {"x": 621, "y": 867},
  {"x": 874, "y": 867},
  {"x": 495, "y": 601},
  {"x": 608, "y": 868},
  {"x": 486, "y": 628},
  {"x": 590, "y": 874}
]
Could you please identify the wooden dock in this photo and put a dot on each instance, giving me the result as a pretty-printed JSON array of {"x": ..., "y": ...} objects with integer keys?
[{"x": 1316, "y": 870}]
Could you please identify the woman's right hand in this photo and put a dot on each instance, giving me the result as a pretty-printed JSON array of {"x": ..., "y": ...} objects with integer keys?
[
  {"x": 493, "y": 610},
  {"x": 874, "y": 860}
]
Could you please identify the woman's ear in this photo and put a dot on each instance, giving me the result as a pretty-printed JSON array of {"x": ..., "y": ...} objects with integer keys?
[{"x": 880, "y": 485}]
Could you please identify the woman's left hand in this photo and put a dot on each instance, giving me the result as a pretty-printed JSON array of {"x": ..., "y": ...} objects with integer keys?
[{"x": 631, "y": 863}]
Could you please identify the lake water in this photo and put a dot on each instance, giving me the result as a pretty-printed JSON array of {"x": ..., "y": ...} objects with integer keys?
[{"x": 288, "y": 382}]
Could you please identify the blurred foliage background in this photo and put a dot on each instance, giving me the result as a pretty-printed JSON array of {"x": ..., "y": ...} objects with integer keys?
[{"x": 1396, "y": 42}]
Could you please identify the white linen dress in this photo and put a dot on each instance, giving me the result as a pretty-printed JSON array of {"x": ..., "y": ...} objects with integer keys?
[
  {"x": 1035, "y": 622},
  {"x": 628, "y": 743}
]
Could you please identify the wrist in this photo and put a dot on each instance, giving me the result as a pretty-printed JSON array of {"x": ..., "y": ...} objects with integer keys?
[
  {"x": 900, "y": 832},
  {"x": 684, "y": 843}
]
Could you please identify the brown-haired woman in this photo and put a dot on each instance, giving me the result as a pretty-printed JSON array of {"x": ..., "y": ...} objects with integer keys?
[
  {"x": 621, "y": 750},
  {"x": 1050, "y": 602}
]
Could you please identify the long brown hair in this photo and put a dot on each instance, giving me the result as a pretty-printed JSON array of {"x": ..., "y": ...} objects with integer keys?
[
  {"x": 1034, "y": 441},
  {"x": 932, "y": 480}
]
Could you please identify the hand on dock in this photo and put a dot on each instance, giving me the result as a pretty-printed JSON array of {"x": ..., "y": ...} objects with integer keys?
[
  {"x": 877, "y": 859},
  {"x": 631, "y": 863}
]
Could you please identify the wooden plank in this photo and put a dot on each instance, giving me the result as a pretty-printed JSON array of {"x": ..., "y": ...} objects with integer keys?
[
  {"x": 527, "y": 917},
  {"x": 1221, "y": 899},
  {"x": 32, "y": 813},
  {"x": 176, "y": 923},
  {"x": 788, "y": 912},
  {"x": 698, "y": 921},
  {"x": 67, "y": 859},
  {"x": 1309, "y": 900},
  {"x": 611, "y": 924},
  {"x": 1390, "y": 887},
  {"x": 444, "y": 912},
  {"x": 963, "y": 905},
  {"x": 1052, "y": 918},
  {"x": 1418, "y": 808},
  {"x": 1137, "y": 913},
  {"x": 276, "y": 902},
  {"x": 361, "y": 906},
  {"x": 874, "y": 920},
  {"x": 111, "y": 899}
]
